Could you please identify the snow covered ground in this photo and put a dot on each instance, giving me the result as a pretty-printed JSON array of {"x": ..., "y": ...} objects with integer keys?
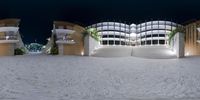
[{"x": 89, "y": 78}]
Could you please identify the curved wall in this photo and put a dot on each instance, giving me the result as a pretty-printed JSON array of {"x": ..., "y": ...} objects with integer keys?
[
  {"x": 192, "y": 36},
  {"x": 9, "y": 36},
  {"x": 69, "y": 38},
  {"x": 154, "y": 32},
  {"x": 147, "y": 33}
]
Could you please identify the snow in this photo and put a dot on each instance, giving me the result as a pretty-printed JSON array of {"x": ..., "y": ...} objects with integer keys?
[{"x": 43, "y": 77}]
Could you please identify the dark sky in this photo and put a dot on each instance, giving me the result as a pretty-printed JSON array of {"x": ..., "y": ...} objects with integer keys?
[{"x": 37, "y": 16}]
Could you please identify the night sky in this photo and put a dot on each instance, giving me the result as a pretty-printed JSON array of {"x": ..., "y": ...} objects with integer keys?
[{"x": 37, "y": 16}]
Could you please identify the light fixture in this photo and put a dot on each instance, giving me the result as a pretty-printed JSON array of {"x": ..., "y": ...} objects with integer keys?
[{"x": 7, "y": 37}]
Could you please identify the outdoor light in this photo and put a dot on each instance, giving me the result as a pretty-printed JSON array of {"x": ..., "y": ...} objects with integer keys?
[
  {"x": 7, "y": 37},
  {"x": 82, "y": 53},
  {"x": 187, "y": 54}
]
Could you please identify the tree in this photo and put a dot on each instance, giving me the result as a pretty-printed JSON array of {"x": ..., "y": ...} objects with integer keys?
[
  {"x": 91, "y": 32},
  {"x": 54, "y": 47},
  {"x": 174, "y": 32}
]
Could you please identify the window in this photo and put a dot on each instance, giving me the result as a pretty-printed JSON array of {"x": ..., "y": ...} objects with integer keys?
[
  {"x": 161, "y": 35},
  {"x": 149, "y": 42},
  {"x": 162, "y": 41},
  {"x": 105, "y": 42},
  {"x": 155, "y": 41},
  {"x": 111, "y": 42},
  {"x": 143, "y": 43},
  {"x": 117, "y": 42},
  {"x": 122, "y": 43}
]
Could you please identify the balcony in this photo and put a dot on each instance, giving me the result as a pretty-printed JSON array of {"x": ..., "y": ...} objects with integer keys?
[
  {"x": 64, "y": 36},
  {"x": 12, "y": 37},
  {"x": 66, "y": 42},
  {"x": 9, "y": 39}
]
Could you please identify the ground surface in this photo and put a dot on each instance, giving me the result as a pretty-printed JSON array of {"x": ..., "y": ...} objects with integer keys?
[{"x": 89, "y": 78}]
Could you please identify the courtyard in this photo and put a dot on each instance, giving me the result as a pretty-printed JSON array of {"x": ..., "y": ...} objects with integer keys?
[{"x": 45, "y": 77}]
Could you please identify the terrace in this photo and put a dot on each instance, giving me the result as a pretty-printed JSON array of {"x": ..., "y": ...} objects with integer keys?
[{"x": 8, "y": 34}]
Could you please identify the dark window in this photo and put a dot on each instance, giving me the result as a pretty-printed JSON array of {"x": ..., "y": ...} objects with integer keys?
[
  {"x": 111, "y": 36},
  {"x": 148, "y": 36},
  {"x": 116, "y": 42},
  {"x": 149, "y": 42},
  {"x": 122, "y": 43},
  {"x": 143, "y": 43},
  {"x": 162, "y": 41},
  {"x": 117, "y": 36},
  {"x": 104, "y": 36},
  {"x": 155, "y": 35},
  {"x": 161, "y": 35},
  {"x": 105, "y": 42},
  {"x": 155, "y": 41},
  {"x": 111, "y": 42}
]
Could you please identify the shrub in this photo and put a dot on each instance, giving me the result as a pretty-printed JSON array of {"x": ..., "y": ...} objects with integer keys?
[
  {"x": 92, "y": 32},
  {"x": 19, "y": 51},
  {"x": 54, "y": 51},
  {"x": 173, "y": 33},
  {"x": 54, "y": 48}
]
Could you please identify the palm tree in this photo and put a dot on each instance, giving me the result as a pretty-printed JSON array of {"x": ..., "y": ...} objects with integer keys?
[
  {"x": 91, "y": 32},
  {"x": 174, "y": 32}
]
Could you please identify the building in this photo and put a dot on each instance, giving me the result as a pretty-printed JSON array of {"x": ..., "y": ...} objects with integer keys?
[
  {"x": 192, "y": 38},
  {"x": 147, "y": 33},
  {"x": 10, "y": 38},
  {"x": 69, "y": 38},
  {"x": 113, "y": 33}
]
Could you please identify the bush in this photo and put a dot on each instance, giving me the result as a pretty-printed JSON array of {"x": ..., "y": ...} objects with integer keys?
[
  {"x": 19, "y": 51},
  {"x": 54, "y": 51},
  {"x": 92, "y": 32},
  {"x": 54, "y": 48}
]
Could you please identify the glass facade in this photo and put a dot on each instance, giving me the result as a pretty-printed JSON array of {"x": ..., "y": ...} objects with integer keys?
[
  {"x": 113, "y": 33},
  {"x": 154, "y": 32},
  {"x": 147, "y": 33}
]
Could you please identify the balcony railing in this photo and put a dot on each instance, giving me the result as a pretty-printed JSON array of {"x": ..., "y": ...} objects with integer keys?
[
  {"x": 65, "y": 40},
  {"x": 12, "y": 37}
]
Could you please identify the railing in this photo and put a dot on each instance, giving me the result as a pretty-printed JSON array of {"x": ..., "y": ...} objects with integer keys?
[
  {"x": 12, "y": 37},
  {"x": 66, "y": 39}
]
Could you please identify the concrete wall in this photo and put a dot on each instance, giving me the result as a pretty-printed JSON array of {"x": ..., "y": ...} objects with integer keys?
[
  {"x": 192, "y": 47},
  {"x": 178, "y": 45},
  {"x": 90, "y": 45}
]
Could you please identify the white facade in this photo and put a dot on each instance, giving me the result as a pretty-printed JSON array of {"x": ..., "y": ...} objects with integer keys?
[
  {"x": 113, "y": 33},
  {"x": 147, "y": 33}
]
